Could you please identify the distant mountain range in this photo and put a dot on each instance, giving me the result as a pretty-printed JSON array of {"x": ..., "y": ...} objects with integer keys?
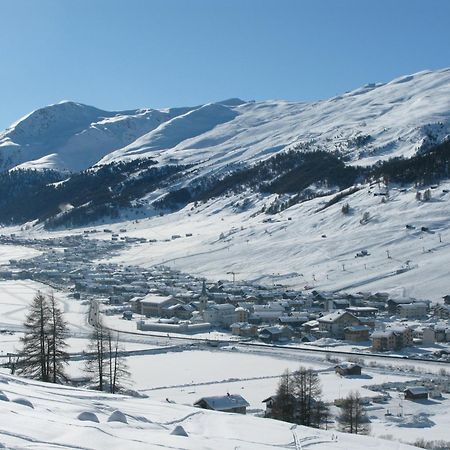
[
  {"x": 70, "y": 164},
  {"x": 377, "y": 121}
]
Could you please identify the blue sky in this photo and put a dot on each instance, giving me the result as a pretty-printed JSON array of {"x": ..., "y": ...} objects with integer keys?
[{"x": 144, "y": 53}]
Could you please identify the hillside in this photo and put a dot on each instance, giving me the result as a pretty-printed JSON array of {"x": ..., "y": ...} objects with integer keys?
[{"x": 81, "y": 419}]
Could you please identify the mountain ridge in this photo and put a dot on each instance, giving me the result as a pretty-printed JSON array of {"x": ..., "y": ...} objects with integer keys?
[{"x": 395, "y": 118}]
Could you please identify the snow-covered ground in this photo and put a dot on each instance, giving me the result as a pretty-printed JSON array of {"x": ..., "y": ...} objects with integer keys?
[
  {"x": 8, "y": 252},
  {"x": 17, "y": 295},
  {"x": 306, "y": 248},
  {"x": 149, "y": 424}
]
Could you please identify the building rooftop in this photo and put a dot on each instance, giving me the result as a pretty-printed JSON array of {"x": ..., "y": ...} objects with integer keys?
[{"x": 224, "y": 402}]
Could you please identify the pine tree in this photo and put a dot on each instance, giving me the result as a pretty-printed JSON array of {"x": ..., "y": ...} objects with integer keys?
[{"x": 43, "y": 356}]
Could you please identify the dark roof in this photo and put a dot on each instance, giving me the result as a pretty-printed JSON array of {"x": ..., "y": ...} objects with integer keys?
[{"x": 417, "y": 390}]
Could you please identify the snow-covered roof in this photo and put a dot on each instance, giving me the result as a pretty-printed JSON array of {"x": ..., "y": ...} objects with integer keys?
[
  {"x": 358, "y": 328},
  {"x": 155, "y": 299},
  {"x": 381, "y": 334},
  {"x": 416, "y": 390},
  {"x": 224, "y": 402},
  {"x": 347, "y": 365},
  {"x": 417, "y": 305},
  {"x": 332, "y": 317}
]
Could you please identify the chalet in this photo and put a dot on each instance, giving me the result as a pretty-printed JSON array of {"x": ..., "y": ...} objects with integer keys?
[
  {"x": 270, "y": 401},
  {"x": 442, "y": 332},
  {"x": 226, "y": 403},
  {"x": 244, "y": 329},
  {"x": 393, "y": 303},
  {"x": 357, "y": 333},
  {"x": 425, "y": 334},
  {"x": 340, "y": 303},
  {"x": 335, "y": 323},
  {"x": 295, "y": 320},
  {"x": 446, "y": 299},
  {"x": 275, "y": 334},
  {"x": 348, "y": 368},
  {"x": 416, "y": 393}
]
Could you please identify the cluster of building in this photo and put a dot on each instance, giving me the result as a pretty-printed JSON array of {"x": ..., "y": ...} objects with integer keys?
[
  {"x": 281, "y": 315},
  {"x": 168, "y": 300}
]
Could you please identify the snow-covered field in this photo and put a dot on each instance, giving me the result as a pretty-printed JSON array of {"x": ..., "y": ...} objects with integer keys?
[
  {"x": 8, "y": 252},
  {"x": 149, "y": 424},
  {"x": 17, "y": 295}
]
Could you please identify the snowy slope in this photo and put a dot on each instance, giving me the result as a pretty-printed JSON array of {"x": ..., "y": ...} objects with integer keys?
[
  {"x": 308, "y": 248},
  {"x": 72, "y": 136},
  {"x": 27, "y": 408},
  {"x": 374, "y": 122},
  {"x": 395, "y": 118}
]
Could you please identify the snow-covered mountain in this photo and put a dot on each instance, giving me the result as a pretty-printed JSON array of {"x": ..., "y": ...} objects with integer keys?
[
  {"x": 71, "y": 136},
  {"x": 66, "y": 418},
  {"x": 377, "y": 121}
]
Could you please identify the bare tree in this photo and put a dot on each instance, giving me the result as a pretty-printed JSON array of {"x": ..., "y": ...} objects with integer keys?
[
  {"x": 106, "y": 364},
  {"x": 118, "y": 368},
  {"x": 353, "y": 417},
  {"x": 96, "y": 365}
]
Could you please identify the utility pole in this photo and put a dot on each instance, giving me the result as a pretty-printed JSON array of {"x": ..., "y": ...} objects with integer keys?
[{"x": 234, "y": 276}]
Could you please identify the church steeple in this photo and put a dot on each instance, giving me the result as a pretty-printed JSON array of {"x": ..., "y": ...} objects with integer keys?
[{"x": 203, "y": 298}]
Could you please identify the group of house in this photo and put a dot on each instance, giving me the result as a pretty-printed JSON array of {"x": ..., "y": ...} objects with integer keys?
[{"x": 171, "y": 301}]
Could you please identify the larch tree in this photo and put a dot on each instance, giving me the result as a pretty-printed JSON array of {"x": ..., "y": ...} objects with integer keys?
[
  {"x": 43, "y": 354},
  {"x": 58, "y": 331},
  {"x": 283, "y": 407},
  {"x": 311, "y": 411},
  {"x": 353, "y": 417},
  {"x": 106, "y": 363}
]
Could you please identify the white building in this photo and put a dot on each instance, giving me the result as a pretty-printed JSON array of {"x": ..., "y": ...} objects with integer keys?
[{"x": 416, "y": 310}]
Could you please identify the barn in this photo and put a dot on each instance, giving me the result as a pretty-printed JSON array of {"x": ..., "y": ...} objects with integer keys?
[
  {"x": 416, "y": 393},
  {"x": 348, "y": 368},
  {"x": 226, "y": 403}
]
